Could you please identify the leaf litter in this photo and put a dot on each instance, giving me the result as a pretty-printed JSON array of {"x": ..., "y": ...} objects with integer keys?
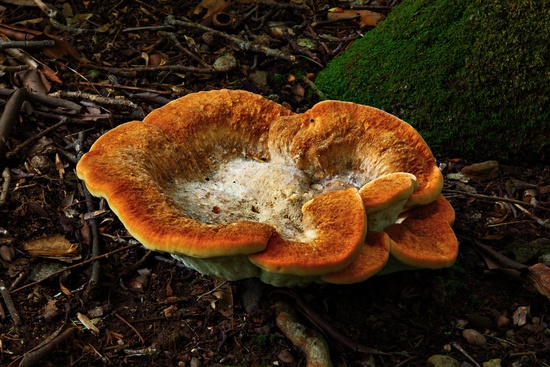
[{"x": 114, "y": 63}]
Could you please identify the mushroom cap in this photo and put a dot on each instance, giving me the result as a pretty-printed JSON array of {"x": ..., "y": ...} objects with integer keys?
[
  {"x": 358, "y": 144},
  {"x": 372, "y": 258},
  {"x": 134, "y": 165},
  {"x": 385, "y": 197},
  {"x": 236, "y": 185},
  {"x": 334, "y": 219},
  {"x": 425, "y": 238}
]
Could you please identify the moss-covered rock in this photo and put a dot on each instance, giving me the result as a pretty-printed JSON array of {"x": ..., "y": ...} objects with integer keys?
[{"x": 472, "y": 76}]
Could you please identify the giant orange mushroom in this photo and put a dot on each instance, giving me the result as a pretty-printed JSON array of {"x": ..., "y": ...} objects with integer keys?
[{"x": 235, "y": 185}]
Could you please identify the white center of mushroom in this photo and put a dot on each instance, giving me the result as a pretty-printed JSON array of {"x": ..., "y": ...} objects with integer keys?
[{"x": 245, "y": 189}]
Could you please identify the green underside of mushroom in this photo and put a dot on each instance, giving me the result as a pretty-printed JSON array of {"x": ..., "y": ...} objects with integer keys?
[{"x": 239, "y": 267}]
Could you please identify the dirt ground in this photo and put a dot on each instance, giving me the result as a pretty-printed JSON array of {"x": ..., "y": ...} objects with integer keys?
[{"x": 117, "y": 61}]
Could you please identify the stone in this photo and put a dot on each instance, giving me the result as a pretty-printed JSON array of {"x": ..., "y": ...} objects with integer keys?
[
  {"x": 469, "y": 75},
  {"x": 440, "y": 360},
  {"x": 497, "y": 362}
]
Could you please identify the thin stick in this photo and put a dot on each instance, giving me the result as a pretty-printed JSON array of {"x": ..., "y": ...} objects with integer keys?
[
  {"x": 27, "y": 44},
  {"x": 34, "y": 138},
  {"x": 310, "y": 341},
  {"x": 9, "y": 303},
  {"x": 96, "y": 267},
  {"x": 95, "y": 98},
  {"x": 461, "y": 350},
  {"x": 125, "y": 87},
  {"x": 33, "y": 357},
  {"x": 131, "y": 327},
  {"x": 242, "y": 44},
  {"x": 6, "y": 175},
  {"x": 544, "y": 223},
  {"x": 46, "y": 100},
  {"x": 494, "y": 198},
  {"x": 9, "y": 117},
  {"x": 178, "y": 44},
  {"x": 85, "y": 262}
]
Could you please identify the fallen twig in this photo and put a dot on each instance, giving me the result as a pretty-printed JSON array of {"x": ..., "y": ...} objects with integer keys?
[
  {"x": 461, "y": 350},
  {"x": 125, "y": 87},
  {"x": 281, "y": 5},
  {"x": 49, "y": 345},
  {"x": 311, "y": 342},
  {"x": 493, "y": 198},
  {"x": 6, "y": 176},
  {"x": 47, "y": 101},
  {"x": 131, "y": 327},
  {"x": 34, "y": 138},
  {"x": 498, "y": 258},
  {"x": 9, "y": 117},
  {"x": 544, "y": 223},
  {"x": 242, "y": 44},
  {"x": 85, "y": 262},
  {"x": 9, "y": 303},
  {"x": 14, "y": 68},
  {"x": 325, "y": 327},
  {"x": 95, "y": 98},
  {"x": 312, "y": 85},
  {"x": 83, "y": 119},
  {"x": 96, "y": 267},
  {"x": 178, "y": 44},
  {"x": 137, "y": 69},
  {"x": 27, "y": 44}
]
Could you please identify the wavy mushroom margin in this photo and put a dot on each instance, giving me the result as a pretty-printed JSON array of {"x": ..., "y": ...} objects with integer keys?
[{"x": 235, "y": 185}]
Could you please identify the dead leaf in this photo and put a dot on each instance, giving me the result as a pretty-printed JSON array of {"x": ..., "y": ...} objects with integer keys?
[
  {"x": 64, "y": 289},
  {"x": 51, "y": 310},
  {"x": 224, "y": 302},
  {"x": 59, "y": 165},
  {"x": 539, "y": 278},
  {"x": 19, "y": 2},
  {"x": 61, "y": 48},
  {"x": 88, "y": 324},
  {"x": 208, "y": 8},
  {"x": 35, "y": 82},
  {"x": 367, "y": 18},
  {"x": 79, "y": 20},
  {"x": 54, "y": 246}
]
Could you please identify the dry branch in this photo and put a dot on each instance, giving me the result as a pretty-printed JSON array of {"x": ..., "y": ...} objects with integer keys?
[
  {"x": 34, "y": 138},
  {"x": 310, "y": 341},
  {"x": 493, "y": 198},
  {"x": 51, "y": 344},
  {"x": 9, "y": 117},
  {"x": 85, "y": 262},
  {"x": 27, "y": 44},
  {"x": 47, "y": 101},
  {"x": 9, "y": 304},
  {"x": 240, "y": 43}
]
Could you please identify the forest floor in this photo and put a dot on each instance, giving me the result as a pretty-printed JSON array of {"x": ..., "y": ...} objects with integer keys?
[{"x": 113, "y": 62}]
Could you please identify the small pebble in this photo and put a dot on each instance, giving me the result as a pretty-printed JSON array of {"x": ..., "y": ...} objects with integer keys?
[
  {"x": 195, "y": 362},
  {"x": 285, "y": 356},
  {"x": 225, "y": 62},
  {"x": 502, "y": 321},
  {"x": 474, "y": 337},
  {"x": 440, "y": 360},
  {"x": 461, "y": 324},
  {"x": 7, "y": 253},
  {"x": 493, "y": 363},
  {"x": 520, "y": 315}
]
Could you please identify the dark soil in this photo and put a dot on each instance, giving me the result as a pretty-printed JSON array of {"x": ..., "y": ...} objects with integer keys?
[{"x": 150, "y": 310}]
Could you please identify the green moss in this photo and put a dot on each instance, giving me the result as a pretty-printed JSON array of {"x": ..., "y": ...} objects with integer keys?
[{"x": 471, "y": 76}]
